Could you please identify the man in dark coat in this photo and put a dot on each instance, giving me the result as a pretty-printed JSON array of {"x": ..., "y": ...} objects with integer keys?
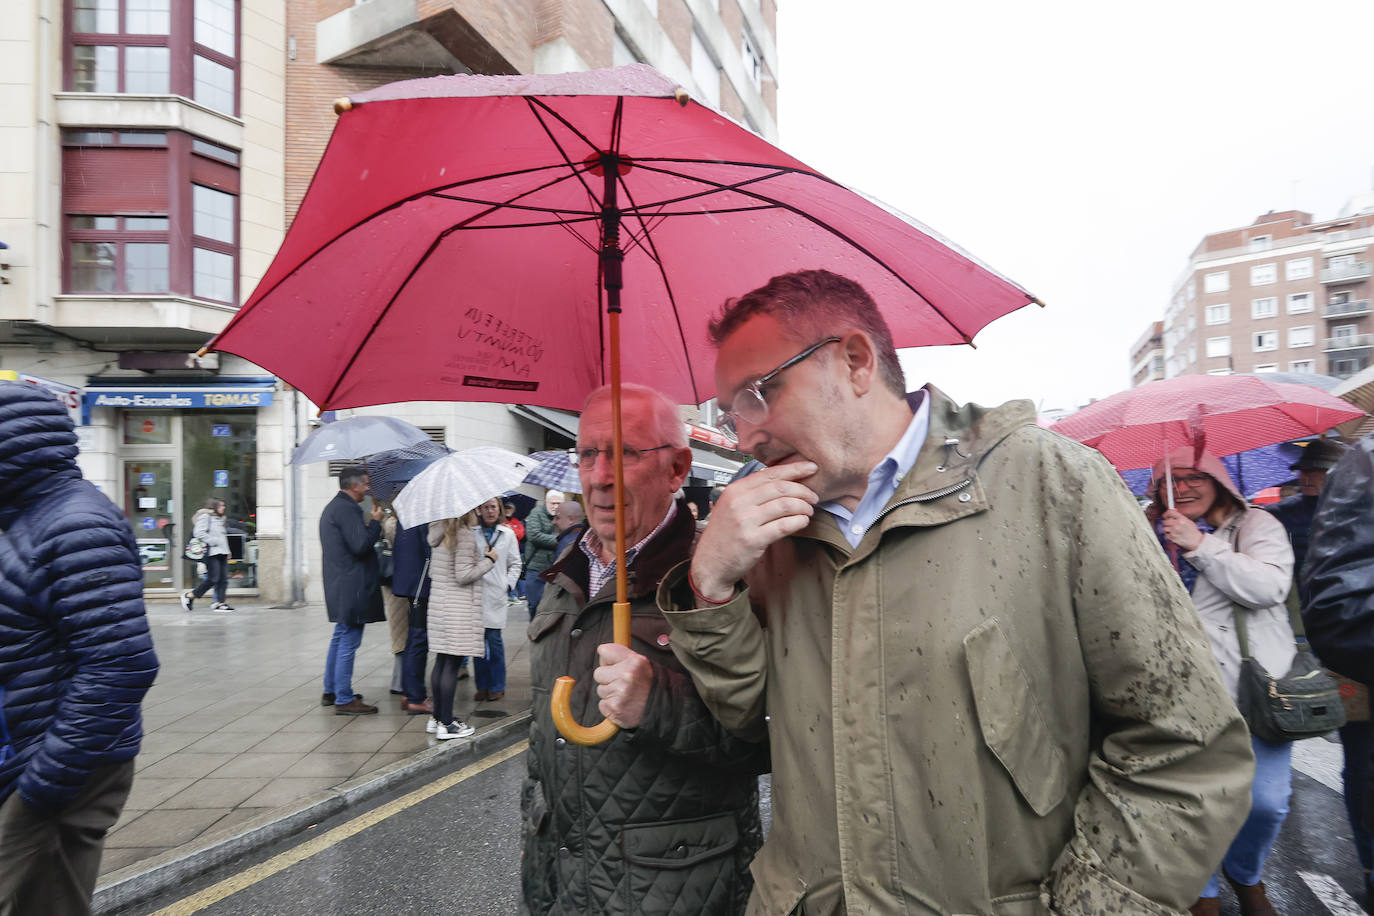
[
  {"x": 352, "y": 586},
  {"x": 410, "y": 580},
  {"x": 663, "y": 817},
  {"x": 76, "y": 659},
  {"x": 541, "y": 539},
  {"x": 1296, "y": 511}
]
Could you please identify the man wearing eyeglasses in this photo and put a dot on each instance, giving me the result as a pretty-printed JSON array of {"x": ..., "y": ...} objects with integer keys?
[
  {"x": 984, "y": 689},
  {"x": 662, "y": 818}
]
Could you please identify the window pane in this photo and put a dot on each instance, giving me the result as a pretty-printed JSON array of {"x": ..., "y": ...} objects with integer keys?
[
  {"x": 214, "y": 275},
  {"x": 142, "y": 138},
  {"x": 214, "y": 85},
  {"x": 146, "y": 223},
  {"x": 96, "y": 16},
  {"x": 214, "y": 214},
  {"x": 93, "y": 267},
  {"x": 214, "y": 151},
  {"x": 145, "y": 267},
  {"x": 148, "y": 17},
  {"x": 95, "y": 222},
  {"x": 147, "y": 70},
  {"x": 88, "y": 137},
  {"x": 215, "y": 25},
  {"x": 95, "y": 68}
]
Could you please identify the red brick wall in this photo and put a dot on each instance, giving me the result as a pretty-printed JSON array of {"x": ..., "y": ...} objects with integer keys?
[{"x": 585, "y": 24}]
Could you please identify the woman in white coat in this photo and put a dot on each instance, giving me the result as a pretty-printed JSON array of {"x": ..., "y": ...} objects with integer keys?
[
  {"x": 208, "y": 525},
  {"x": 458, "y": 561},
  {"x": 1234, "y": 560}
]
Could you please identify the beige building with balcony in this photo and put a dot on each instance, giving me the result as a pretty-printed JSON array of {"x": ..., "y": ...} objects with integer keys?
[
  {"x": 1284, "y": 294},
  {"x": 152, "y": 154},
  {"x": 1147, "y": 355}
]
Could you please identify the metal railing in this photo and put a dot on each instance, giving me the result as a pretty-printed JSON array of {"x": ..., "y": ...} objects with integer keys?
[
  {"x": 1347, "y": 309},
  {"x": 1357, "y": 271},
  {"x": 1348, "y": 342}
]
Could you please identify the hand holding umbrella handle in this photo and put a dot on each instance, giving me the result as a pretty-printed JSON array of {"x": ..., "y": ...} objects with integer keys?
[{"x": 560, "y": 704}]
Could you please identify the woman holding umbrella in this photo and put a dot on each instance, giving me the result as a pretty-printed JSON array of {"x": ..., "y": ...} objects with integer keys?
[
  {"x": 1234, "y": 560},
  {"x": 458, "y": 562}
]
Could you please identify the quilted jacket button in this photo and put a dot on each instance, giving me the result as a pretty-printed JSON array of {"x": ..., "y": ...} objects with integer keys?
[
  {"x": 576, "y": 633},
  {"x": 560, "y": 741}
]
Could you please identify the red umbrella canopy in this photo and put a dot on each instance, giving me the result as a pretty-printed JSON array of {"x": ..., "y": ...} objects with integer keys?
[
  {"x": 448, "y": 246},
  {"x": 1224, "y": 414}
]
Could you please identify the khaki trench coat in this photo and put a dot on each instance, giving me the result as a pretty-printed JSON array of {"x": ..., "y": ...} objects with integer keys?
[{"x": 1014, "y": 711}]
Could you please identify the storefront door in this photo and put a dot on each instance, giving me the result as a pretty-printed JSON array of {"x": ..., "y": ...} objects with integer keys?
[{"x": 150, "y": 505}]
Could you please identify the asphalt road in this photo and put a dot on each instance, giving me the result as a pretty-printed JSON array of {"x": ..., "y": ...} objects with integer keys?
[{"x": 449, "y": 845}]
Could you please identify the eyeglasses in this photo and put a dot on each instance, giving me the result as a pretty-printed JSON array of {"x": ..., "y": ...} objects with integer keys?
[
  {"x": 585, "y": 458},
  {"x": 749, "y": 404},
  {"x": 1191, "y": 481}
]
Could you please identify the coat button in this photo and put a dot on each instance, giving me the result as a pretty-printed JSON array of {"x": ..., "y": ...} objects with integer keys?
[
  {"x": 965, "y": 497},
  {"x": 564, "y": 851},
  {"x": 576, "y": 633},
  {"x": 560, "y": 741},
  {"x": 682, "y": 850},
  {"x": 663, "y": 639}
]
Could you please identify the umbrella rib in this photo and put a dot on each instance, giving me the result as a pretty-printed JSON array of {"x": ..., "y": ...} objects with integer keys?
[
  {"x": 781, "y": 205},
  {"x": 648, "y": 247},
  {"x": 535, "y": 104}
]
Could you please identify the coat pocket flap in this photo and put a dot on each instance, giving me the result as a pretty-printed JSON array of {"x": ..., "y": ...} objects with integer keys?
[
  {"x": 543, "y": 623},
  {"x": 653, "y": 631},
  {"x": 680, "y": 844},
  {"x": 1011, "y": 719}
]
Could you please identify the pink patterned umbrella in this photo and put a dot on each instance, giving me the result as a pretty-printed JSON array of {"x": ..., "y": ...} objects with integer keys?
[{"x": 1224, "y": 414}]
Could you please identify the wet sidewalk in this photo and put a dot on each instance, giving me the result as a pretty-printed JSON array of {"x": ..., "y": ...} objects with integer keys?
[{"x": 234, "y": 729}]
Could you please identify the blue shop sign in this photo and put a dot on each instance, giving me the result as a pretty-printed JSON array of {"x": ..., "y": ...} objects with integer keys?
[
  {"x": 240, "y": 393},
  {"x": 221, "y": 478}
]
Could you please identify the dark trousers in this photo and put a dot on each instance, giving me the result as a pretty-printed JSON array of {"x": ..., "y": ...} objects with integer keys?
[
  {"x": 49, "y": 862},
  {"x": 413, "y": 659},
  {"x": 216, "y": 577},
  {"x": 1357, "y": 738},
  {"x": 534, "y": 591}
]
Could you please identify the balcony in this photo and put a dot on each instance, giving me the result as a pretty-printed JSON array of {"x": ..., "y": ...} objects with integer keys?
[
  {"x": 1351, "y": 273},
  {"x": 1347, "y": 309},
  {"x": 1348, "y": 342},
  {"x": 1345, "y": 368},
  {"x": 397, "y": 33}
]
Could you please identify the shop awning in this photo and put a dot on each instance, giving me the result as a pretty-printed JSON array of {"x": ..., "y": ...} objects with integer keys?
[
  {"x": 558, "y": 421},
  {"x": 710, "y": 468}
]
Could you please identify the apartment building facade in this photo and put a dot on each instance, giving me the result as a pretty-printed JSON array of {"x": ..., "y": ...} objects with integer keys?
[
  {"x": 1147, "y": 355},
  {"x": 1284, "y": 294},
  {"x": 152, "y": 154}
]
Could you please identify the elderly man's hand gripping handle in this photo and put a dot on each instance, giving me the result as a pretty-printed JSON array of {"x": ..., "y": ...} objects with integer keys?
[{"x": 751, "y": 514}]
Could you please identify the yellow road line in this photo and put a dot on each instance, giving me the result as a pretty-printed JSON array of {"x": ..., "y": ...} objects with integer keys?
[{"x": 247, "y": 878}]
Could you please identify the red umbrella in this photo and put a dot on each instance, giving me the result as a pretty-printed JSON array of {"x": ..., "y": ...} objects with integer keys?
[
  {"x": 1225, "y": 414},
  {"x": 461, "y": 233}
]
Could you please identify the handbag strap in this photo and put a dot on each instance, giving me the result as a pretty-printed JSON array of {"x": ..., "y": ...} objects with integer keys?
[
  {"x": 1292, "y": 602},
  {"x": 420, "y": 586}
]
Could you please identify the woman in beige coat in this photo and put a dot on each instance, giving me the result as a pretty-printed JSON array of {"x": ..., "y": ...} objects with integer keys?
[{"x": 457, "y": 563}]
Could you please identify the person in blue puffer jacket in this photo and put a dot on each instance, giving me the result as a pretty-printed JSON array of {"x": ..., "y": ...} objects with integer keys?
[{"x": 76, "y": 659}]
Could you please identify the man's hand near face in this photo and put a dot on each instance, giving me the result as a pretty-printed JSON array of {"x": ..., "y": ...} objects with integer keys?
[
  {"x": 751, "y": 514},
  {"x": 378, "y": 513},
  {"x": 623, "y": 680}
]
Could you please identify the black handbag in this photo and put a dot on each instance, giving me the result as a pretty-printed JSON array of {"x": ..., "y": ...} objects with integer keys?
[{"x": 1304, "y": 703}]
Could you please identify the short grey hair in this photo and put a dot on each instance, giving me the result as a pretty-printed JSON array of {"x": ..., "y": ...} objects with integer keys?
[{"x": 667, "y": 425}]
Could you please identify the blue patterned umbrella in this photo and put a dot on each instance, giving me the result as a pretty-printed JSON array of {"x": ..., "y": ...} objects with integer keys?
[
  {"x": 555, "y": 472},
  {"x": 393, "y": 469},
  {"x": 1252, "y": 471}
]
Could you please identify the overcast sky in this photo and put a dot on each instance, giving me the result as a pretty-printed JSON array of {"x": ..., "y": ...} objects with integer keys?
[{"x": 1081, "y": 148}]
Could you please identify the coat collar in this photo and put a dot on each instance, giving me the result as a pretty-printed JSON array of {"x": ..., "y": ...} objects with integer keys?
[
  {"x": 943, "y": 484},
  {"x": 668, "y": 548}
]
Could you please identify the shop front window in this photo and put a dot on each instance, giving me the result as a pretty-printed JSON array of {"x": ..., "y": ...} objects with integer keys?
[{"x": 219, "y": 461}]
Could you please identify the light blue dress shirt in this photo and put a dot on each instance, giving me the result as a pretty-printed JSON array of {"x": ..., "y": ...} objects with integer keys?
[{"x": 883, "y": 479}]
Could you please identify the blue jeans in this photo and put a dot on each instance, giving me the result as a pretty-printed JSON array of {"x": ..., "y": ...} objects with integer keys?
[
  {"x": 534, "y": 591},
  {"x": 338, "y": 666},
  {"x": 413, "y": 659},
  {"x": 489, "y": 673},
  {"x": 216, "y": 577},
  {"x": 1244, "y": 861},
  {"x": 1358, "y": 740}
]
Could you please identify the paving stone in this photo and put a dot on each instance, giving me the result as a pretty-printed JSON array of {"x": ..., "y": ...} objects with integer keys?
[
  {"x": 164, "y": 828},
  {"x": 377, "y": 761},
  {"x": 213, "y": 792},
  {"x": 186, "y": 764},
  {"x": 317, "y": 764},
  {"x": 286, "y": 789},
  {"x": 149, "y": 792},
  {"x": 225, "y": 742},
  {"x": 113, "y": 859},
  {"x": 350, "y": 741},
  {"x": 256, "y": 763},
  {"x": 288, "y": 742}
]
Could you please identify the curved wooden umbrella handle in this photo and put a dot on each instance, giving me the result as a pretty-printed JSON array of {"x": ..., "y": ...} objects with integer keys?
[{"x": 560, "y": 703}]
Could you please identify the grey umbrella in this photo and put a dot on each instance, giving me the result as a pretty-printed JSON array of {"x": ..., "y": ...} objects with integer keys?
[{"x": 356, "y": 437}]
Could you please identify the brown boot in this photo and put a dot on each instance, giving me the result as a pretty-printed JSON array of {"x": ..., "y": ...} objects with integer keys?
[
  {"x": 1253, "y": 901},
  {"x": 1206, "y": 906}
]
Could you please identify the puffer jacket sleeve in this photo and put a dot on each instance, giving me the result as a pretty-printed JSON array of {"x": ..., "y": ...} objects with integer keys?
[
  {"x": 470, "y": 561},
  {"x": 200, "y": 526},
  {"x": 87, "y": 577},
  {"x": 1258, "y": 571},
  {"x": 677, "y": 722},
  {"x": 1173, "y": 766},
  {"x": 1338, "y": 574}
]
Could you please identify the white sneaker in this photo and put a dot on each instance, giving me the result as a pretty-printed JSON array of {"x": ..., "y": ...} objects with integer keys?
[
  {"x": 187, "y": 599},
  {"x": 432, "y": 725},
  {"x": 221, "y": 608},
  {"x": 455, "y": 729}
]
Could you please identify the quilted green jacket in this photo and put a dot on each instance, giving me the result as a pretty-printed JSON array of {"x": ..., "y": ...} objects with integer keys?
[{"x": 661, "y": 819}]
